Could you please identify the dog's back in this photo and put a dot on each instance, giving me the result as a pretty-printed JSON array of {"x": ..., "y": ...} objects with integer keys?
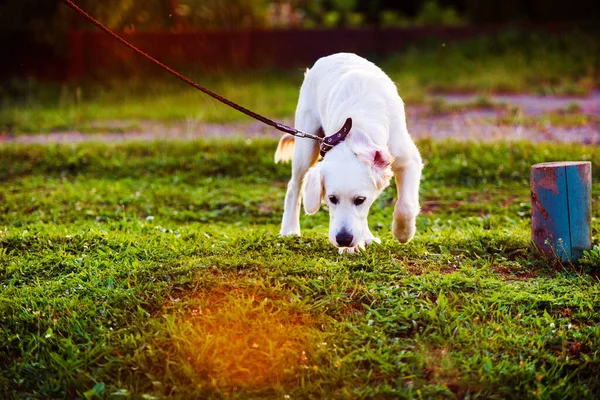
[{"x": 345, "y": 85}]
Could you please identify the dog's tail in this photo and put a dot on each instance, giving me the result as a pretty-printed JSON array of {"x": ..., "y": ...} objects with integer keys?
[{"x": 285, "y": 149}]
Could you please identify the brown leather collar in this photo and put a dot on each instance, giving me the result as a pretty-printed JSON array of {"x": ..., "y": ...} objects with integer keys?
[{"x": 330, "y": 141}]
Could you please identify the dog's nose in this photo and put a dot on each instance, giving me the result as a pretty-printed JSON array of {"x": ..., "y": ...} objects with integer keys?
[{"x": 344, "y": 238}]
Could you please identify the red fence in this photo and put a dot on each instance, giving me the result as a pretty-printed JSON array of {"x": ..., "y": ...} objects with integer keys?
[
  {"x": 243, "y": 49},
  {"x": 95, "y": 53}
]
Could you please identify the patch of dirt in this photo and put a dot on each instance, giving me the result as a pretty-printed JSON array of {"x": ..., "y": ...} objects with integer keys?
[
  {"x": 514, "y": 275},
  {"x": 152, "y": 130},
  {"x": 537, "y": 105},
  {"x": 450, "y": 268},
  {"x": 472, "y": 124},
  {"x": 508, "y": 201},
  {"x": 433, "y": 206},
  {"x": 475, "y": 124}
]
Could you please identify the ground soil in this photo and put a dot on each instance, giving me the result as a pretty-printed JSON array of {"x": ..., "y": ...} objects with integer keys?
[{"x": 473, "y": 124}]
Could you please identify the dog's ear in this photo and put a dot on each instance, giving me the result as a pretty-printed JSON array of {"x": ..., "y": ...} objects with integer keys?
[
  {"x": 313, "y": 190},
  {"x": 378, "y": 158}
]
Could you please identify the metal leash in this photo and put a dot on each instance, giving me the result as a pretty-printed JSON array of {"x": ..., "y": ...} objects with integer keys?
[{"x": 276, "y": 125}]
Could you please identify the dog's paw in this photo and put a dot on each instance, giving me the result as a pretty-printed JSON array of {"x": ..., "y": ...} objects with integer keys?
[
  {"x": 404, "y": 231},
  {"x": 372, "y": 239},
  {"x": 350, "y": 250},
  {"x": 289, "y": 231},
  {"x": 404, "y": 225}
]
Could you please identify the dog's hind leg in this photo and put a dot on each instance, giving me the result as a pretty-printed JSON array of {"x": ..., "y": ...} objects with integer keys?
[{"x": 306, "y": 154}]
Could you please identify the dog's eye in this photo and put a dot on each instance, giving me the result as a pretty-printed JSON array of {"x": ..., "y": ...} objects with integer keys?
[
  {"x": 333, "y": 199},
  {"x": 359, "y": 200}
]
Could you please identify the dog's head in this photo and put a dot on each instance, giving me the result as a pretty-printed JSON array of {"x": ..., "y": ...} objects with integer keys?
[{"x": 349, "y": 180}]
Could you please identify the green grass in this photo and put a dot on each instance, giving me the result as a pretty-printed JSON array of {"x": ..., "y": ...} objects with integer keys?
[
  {"x": 440, "y": 106},
  {"x": 514, "y": 116},
  {"x": 145, "y": 270},
  {"x": 31, "y": 107},
  {"x": 508, "y": 62}
]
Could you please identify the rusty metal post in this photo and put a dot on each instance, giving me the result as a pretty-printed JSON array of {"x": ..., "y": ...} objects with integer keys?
[{"x": 561, "y": 209}]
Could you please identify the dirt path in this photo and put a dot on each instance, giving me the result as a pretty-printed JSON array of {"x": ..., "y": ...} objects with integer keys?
[{"x": 474, "y": 124}]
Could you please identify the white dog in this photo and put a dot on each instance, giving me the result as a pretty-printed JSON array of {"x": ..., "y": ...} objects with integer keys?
[{"x": 354, "y": 172}]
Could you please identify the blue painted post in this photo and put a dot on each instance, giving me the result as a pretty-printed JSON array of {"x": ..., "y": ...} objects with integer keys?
[{"x": 561, "y": 209}]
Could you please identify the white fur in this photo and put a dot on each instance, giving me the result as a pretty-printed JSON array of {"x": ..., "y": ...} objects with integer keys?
[
  {"x": 378, "y": 147},
  {"x": 285, "y": 149}
]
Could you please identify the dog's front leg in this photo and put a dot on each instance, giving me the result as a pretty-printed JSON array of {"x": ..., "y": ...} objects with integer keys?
[
  {"x": 306, "y": 154},
  {"x": 407, "y": 174},
  {"x": 369, "y": 237}
]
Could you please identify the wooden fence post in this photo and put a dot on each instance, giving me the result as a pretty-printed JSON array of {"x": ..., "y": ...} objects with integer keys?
[{"x": 561, "y": 209}]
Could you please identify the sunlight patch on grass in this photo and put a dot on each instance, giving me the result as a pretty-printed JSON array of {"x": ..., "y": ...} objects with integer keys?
[{"x": 232, "y": 339}]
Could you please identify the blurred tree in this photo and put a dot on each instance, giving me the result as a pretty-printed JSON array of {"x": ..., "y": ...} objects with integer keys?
[
  {"x": 371, "y": 10},
  {"x": 313, "y": 11},
  {"x": 341, "y": 13},
  {"x": 502, "y": 11},
  {"x": 224, "y": 13},
  {"x": 496, "y": 11},
  {"x": 391, "y": 18},
  {"x": 49, "y": 19},
  {"x": 431, "y": 14}
]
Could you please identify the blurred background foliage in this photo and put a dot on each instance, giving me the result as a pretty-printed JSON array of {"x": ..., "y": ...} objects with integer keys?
[{"x": 46, "y": 19}]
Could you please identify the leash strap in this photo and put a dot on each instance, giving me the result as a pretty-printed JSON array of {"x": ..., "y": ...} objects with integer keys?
[{"x": 276, "y": 125}]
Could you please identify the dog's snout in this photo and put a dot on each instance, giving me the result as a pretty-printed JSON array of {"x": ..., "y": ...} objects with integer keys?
[{"x": 344, "y": 238}]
